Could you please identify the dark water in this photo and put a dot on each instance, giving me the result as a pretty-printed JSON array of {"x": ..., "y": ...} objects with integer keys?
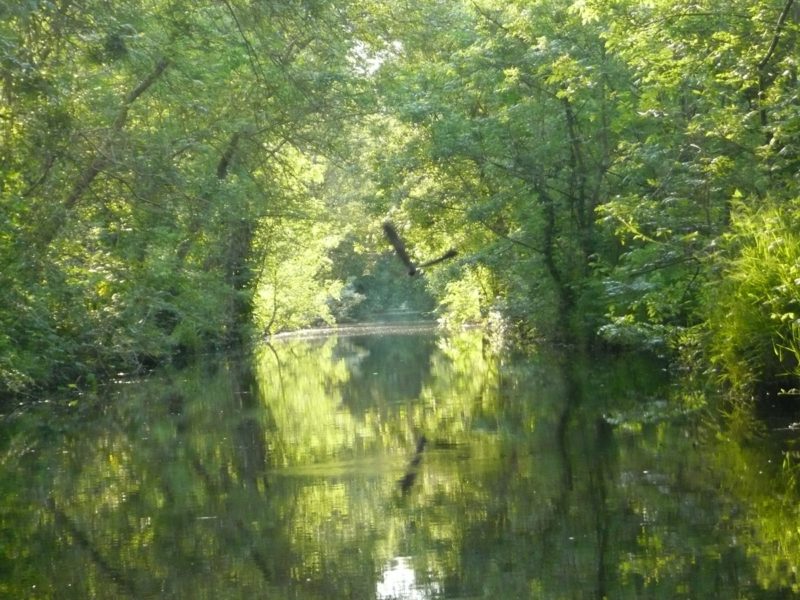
[{"x": 394, "y": 466}]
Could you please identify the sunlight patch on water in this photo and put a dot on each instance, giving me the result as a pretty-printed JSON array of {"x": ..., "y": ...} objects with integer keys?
[
  {"x": 390, "y": 328},
  {"x": 399, "y": 582}
]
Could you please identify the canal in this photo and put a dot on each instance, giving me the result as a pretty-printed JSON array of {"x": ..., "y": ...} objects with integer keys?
[{"x": 395, "y": 463}]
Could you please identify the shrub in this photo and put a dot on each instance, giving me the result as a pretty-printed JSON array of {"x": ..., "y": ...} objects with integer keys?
[{"x": 754, "y": 311}]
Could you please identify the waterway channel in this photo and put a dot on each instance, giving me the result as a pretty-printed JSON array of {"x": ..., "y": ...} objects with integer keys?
[{"x": 402, "y": 463}]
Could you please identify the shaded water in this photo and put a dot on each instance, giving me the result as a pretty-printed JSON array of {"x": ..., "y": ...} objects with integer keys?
[{"x": 394, "y": 465}]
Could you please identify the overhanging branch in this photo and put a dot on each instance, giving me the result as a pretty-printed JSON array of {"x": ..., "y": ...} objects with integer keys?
[
  {"x": 776, "y": 36},
  {"x": 99, "y": 161}
]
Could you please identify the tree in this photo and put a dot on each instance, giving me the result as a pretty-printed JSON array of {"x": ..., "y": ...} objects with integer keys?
[{"x": 147, "y": 151}]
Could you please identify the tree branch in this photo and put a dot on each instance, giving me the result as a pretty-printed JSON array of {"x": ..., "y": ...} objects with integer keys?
[
  {"x": 99, "y": 160},
  {"x": 514, "y": 241},
  {"x": 776, "y": 36}
]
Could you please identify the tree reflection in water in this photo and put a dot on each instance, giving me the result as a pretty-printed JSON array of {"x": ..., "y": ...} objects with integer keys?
[{"x": 276, "y": 475}]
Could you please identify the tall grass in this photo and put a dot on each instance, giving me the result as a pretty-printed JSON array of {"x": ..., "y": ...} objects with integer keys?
[{"x": 753, "y": 313}]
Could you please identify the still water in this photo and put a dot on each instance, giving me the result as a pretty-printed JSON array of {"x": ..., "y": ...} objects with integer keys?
[{"x": 402, "y": 464}]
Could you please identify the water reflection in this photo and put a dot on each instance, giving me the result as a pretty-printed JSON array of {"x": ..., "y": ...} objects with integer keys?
[
  {"x": 399, "y": 580},
  {"x": 392, "y": 466}
]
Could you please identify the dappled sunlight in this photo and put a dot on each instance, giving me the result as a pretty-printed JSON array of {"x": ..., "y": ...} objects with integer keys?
[{"x": 377, "y": 299}]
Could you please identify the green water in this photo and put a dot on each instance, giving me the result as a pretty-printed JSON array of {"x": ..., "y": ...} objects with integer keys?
[{"x": 301, "y": 472}]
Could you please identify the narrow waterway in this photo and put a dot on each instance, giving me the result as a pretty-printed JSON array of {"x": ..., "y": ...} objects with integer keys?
[{"x": 392, "y": 464}]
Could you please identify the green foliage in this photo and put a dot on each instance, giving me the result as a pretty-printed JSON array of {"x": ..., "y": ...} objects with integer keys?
[
  {"x": 296, "y": 286},
  {"x": 174, "y": 173},
  {"x": 463, "y": 301},
  {"x": 754, "y": 311},
  {"x": 701, "y": 126},
  {"x": 144, "y": 147},
  {"x": 490, "y": 155}
]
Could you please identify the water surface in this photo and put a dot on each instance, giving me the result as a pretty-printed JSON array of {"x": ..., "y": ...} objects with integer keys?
[{"x": 393, "y": 464}]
